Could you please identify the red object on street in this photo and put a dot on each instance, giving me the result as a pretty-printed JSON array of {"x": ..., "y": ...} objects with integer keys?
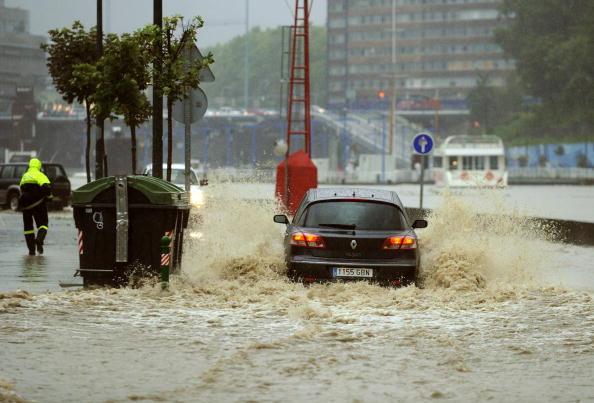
[{"x": 302, "y": 175}]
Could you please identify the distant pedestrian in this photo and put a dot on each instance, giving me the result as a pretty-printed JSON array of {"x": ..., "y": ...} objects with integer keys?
[{"x": 35, "y": 190}]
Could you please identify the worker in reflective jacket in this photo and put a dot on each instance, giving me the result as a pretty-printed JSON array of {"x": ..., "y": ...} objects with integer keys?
[{"x": 35, "y": 190}]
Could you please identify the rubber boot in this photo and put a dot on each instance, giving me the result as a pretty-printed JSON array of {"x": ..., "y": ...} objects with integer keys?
[
  {"x": 30, "y": 239},
  {"x": 39, "y": 241}
]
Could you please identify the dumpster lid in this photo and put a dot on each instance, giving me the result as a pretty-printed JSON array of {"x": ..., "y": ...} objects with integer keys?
[{"x": 158, "y": 191}]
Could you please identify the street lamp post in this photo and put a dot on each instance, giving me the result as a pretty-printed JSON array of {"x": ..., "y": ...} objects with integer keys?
[
  {"x": 158, "y": 95},
  {"x": 383, "y": 149},
  {"x": 99, "y": 137},
  {"x": 393, "y": 84},
  {"x": 246, "y": 82}
]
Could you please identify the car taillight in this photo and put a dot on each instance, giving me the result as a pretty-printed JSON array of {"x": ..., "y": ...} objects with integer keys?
[
  {"x": 307, "y": 240},
  {"x": 400, "y": 242}
]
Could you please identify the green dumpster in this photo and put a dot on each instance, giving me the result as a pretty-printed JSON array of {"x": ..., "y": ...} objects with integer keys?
[{"x": 120, "y": 222}]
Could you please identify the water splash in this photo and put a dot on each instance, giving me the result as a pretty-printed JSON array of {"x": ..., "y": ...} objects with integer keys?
[
  {"x": 465, "y": 249},
  {"x": 238, "y": 239}
]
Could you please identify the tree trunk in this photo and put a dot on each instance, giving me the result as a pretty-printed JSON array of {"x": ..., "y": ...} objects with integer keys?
[
  {"x": 133, "y": 145},
  {"x": 169, "y": 137},
  {"x": 88, "y": 145}
]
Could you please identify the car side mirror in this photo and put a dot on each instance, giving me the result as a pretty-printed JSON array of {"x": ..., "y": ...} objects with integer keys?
[
  {"x": 203, "y": 182},
  {"x": 420, "y": 224},
  {"x": 281, "y": 219}
]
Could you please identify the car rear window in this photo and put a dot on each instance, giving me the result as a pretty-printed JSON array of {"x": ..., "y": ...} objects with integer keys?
[
  {"x": 365, "y": 215},
  {"x": 20, "y": 170},
  {"x": 179, "y": 176},
  {"x": 53, "y": 171}
]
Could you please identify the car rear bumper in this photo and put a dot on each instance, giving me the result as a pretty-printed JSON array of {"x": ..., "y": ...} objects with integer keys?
[{"x": 402, "y": 271}]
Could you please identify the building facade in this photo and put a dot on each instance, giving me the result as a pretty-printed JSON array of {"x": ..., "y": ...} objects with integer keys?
[
  {"x": 411, "y": 49},
  {"x": 22, "y": 62}
]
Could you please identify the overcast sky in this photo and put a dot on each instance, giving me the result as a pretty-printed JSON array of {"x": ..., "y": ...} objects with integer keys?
[{"x": 224, "y": 19}]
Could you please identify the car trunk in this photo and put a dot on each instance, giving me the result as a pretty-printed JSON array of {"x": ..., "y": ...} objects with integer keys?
[{"x": 355, "y": 244}]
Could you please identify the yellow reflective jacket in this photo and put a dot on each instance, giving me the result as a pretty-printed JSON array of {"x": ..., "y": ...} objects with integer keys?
[{"x": 35, "y": 186}]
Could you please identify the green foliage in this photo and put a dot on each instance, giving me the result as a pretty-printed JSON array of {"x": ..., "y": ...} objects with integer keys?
[
  {"x": 265, "y": 52},
  {"x": 553, "y": 44},
  {"x": 122, "y": 75},
  {"x": 493, "y": 106},
  {"x": 67, "y": 49},
  {"x": 115, "y": 84},
  {"x": 179, "y": 74},
  {"x": 515, "y": 131}
]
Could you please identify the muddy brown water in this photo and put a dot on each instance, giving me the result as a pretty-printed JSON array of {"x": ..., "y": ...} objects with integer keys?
[{"x": 506, "y": 314}]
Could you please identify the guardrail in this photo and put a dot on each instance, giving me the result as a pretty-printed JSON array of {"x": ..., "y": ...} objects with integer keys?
[{"x": 551, "y": 175}]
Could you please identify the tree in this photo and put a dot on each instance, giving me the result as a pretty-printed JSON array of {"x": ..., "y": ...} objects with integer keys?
[
  {"x": 493, "y": 106},
  {"x": 67, "y": 49},
  {"x": 264, "y": 68},
  {"x": 552, "y": 42},
  {"x": 123, "y": 76},
  {"x": 178, "y": 75},
  {"x": 482, "y": 103}
]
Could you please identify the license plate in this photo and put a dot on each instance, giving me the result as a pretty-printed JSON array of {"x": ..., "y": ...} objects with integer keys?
[{"x": 351, "y": 272}]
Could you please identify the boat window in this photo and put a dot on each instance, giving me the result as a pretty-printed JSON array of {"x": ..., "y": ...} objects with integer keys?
[
  {"x": 493, "y": 162},
  {"x": 473, "y": 163},
  {"x": 479, "y": 163},
  {"x": 453, "y": 163},
  {"x": 467, "y": 163},
  {"x": 437, "y": 162}
]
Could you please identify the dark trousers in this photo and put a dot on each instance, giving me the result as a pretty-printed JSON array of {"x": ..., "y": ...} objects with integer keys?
[{"x": 39, "y": 214}]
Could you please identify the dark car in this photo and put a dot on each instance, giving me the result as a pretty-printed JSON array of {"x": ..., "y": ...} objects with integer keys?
[
  {"x": 10, "y": 179},
  {"x": 340, "y": 234}
]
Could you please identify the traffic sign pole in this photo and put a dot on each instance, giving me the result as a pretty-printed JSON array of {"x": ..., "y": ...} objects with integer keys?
[
  {"x": 192, "y": 107},
  {"x": 423, "y": 145},
  {"x": 422, "y": 179}
]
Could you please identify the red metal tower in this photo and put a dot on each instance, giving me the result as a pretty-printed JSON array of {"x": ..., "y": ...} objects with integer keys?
[
  {"x": 297, "y": 173},
  {"x": 298, "y": 110}
]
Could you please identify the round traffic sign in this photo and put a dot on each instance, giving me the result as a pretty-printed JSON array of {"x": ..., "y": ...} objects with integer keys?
[
  {"x": 423, "y": 143},
  {"x": 198, "y": 105}
]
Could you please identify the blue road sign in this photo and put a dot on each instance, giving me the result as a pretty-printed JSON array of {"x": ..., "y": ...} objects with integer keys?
[{"x": 423, "y": 143}]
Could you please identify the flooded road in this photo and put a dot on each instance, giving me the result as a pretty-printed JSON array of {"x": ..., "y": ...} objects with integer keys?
[{"x": 506, "y": 314}]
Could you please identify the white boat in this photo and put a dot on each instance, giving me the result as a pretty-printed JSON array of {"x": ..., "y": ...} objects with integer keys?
[{"x": 470, "y": 161}]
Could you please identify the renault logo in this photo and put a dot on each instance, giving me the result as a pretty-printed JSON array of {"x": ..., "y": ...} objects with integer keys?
[{"x": 353, "y": 244}]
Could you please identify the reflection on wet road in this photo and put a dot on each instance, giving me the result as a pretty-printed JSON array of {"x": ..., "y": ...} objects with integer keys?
[
  {"x": 505, "y": 315},
  {"x": 37, "y": 273}
]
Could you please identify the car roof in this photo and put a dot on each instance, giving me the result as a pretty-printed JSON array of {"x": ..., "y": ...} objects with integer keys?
[
  {"x": 335, "y": 193},
  {"x": 27, "y": 164},
  {"x": 173, "y": 166}
]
